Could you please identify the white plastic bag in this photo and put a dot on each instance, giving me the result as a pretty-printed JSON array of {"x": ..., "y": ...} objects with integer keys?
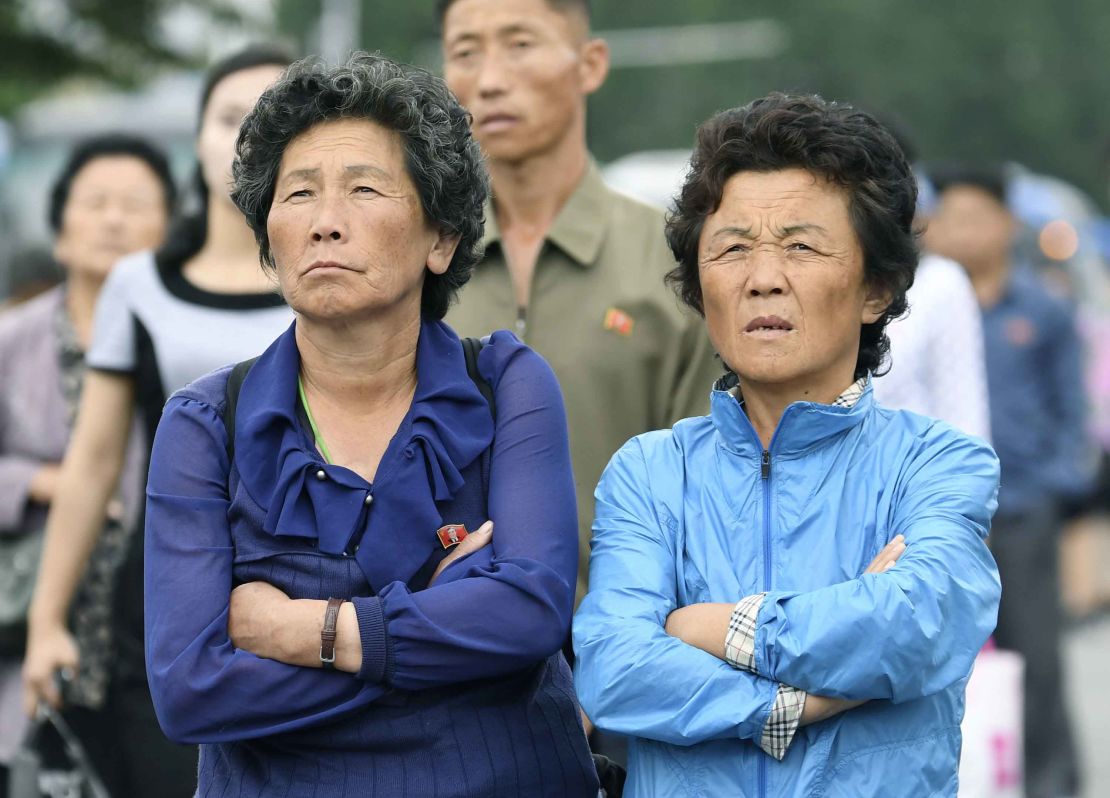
[{"x": 990, "y": 765}]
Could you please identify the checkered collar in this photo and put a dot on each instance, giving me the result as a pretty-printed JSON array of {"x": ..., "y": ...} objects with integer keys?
[
  {"x": 850, "y": 395},
  {"x": 847, "y": 399}
]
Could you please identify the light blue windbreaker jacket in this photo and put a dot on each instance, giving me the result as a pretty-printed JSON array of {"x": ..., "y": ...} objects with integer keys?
[{"x": 701, "y": 513}]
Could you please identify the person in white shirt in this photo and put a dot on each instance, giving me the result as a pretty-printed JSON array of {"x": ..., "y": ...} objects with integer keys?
[{"x": 936, "y": 351}]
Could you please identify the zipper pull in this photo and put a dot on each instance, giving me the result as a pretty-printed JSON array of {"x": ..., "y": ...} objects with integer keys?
[{"x": 765, "y": 465}]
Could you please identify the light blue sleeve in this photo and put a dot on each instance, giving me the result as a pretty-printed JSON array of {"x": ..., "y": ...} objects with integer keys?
[
  {"x": 631, "y": 676},
  {"x": 916, "y": 629}
]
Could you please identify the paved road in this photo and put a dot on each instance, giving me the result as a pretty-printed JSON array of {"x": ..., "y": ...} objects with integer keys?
[{"x": 1087, "y": 655}]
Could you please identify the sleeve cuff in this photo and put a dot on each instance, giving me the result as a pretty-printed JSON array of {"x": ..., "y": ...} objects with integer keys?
[
  {"x": 740, "y": 639},
  {"x": 377, "y": 653},
  {"x": 782, "y": 723}
]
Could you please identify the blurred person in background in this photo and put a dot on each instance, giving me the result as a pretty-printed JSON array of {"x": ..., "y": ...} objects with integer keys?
[
  {"x": 162, "y": 320},
  {"x": 936, "y": 365},
  {"x": 114, "y": 196},
  {"x": 1035, "y": 385},
  {"x": 575, "y": 268},
  {"x": 31, "y": 271}
]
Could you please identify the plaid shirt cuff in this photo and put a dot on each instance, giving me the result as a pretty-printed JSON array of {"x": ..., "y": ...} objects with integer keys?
[
  {"x": 782, "y": 724},
  {"x": 740, "y": 640}
]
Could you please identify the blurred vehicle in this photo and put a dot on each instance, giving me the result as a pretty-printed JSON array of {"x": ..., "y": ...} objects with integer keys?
[
  {"x": 651, "y": 176},
  {"x": 35, "y": 143}
]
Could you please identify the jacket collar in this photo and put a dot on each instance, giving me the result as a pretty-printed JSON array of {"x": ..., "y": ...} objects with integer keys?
[
  {"x": 446, "y": 429},
  {"x": 803, "y": 426},
  {"x": 579, "y": 228}
]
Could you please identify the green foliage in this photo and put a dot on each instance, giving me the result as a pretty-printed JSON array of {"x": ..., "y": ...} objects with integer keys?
[
  {"x": 1022, "y": 81},
  {"x": 1025, "y": 80},
  {"x": 110, "y": 40}
]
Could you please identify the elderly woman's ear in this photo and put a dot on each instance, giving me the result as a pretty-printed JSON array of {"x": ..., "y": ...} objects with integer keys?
[
  {"x": 439, "y": 259},
  {"x": 875, "y": 305}
]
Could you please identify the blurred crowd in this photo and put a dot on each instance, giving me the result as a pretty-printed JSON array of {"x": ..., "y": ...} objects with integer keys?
[{"x": 1007, "y": 339}]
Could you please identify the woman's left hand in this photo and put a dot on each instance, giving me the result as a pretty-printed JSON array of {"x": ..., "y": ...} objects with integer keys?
[{"x": 254, "y": 618}]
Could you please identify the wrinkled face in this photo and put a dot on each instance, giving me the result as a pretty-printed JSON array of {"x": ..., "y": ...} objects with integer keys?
[
  {"x": 971, "y": 227},
  {"x": 231, "y": 100},
  {"x": 782, "y": 282},
  {"x": 116, "y": 206},
  {"x": 523, "y": 70},
  {"x": 347, "y": 231}
]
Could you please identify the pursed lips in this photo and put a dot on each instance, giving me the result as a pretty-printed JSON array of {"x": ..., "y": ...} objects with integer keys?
[{"x": 322, "y": 265}]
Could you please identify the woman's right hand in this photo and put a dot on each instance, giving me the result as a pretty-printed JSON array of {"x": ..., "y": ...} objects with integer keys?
[
  {"x": 471, "y": 543},
  {"x": 886, "y": 558},
  {"x": 50, "y": 649}
]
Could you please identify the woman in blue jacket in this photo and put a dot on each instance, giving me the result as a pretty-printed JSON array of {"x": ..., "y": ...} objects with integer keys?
[
  {"x": 786, "y": 596},
  {"x": 359, "y": 577}
]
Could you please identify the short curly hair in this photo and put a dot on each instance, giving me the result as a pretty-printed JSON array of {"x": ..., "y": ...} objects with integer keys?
[
  {"x": 838, "y": 142},
  {"x": 441, "y": 156}
]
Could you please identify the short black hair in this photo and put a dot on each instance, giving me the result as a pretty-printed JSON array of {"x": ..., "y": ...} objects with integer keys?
[
  {"x": 834, "y": 141},
  {"x": 987, "y": 177},
  {"x": 441, "y": 156},
  {"x": 110, "y": 145},
  {"x": 559, "y": 5}
]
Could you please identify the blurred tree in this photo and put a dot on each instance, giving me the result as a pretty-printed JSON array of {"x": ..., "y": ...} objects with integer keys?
[
  {"x": 1024, "y": 80},
  {"x": 45, "y": 42}
]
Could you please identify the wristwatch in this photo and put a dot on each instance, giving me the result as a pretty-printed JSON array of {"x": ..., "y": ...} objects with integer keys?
[{"x": 327, "y": 634}]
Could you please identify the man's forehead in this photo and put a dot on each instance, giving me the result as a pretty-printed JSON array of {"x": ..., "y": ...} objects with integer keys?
[{"x": 471, "y": 18}]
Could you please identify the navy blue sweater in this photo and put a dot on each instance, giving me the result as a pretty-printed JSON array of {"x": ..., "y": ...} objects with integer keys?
[
  {"x": 1035, "y": 381},
  {"x": 462, "y": 691}
]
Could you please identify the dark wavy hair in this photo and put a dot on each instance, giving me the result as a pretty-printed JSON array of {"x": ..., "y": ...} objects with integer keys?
[
  {"x": 840, "y": 143},
  {"x": 441, "y": 156},
  {"x": 109, "y": 145}
]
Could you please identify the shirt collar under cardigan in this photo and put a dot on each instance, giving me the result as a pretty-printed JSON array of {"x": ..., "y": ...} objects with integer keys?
[
  {"x": 803, "y": 426},
  {"x": 447, "y": 428}
]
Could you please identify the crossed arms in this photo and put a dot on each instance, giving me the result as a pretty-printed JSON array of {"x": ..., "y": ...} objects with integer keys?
[{"x": 923, "y": 619}]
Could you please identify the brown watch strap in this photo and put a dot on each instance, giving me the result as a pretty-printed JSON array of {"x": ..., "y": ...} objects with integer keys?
[{"x": 327, "y": 634}]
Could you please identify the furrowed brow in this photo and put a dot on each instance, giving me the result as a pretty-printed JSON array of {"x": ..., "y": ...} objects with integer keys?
[
  {"x": 725, "y": 232},
  {"x": 803, "y": 228}
]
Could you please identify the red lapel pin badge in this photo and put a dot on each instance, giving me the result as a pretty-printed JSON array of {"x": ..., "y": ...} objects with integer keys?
[
  {"x": 618, "y": 321},
  {"x": 451, "y": 535}
]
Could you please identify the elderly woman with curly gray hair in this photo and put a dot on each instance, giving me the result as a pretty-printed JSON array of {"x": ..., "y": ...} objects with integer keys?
[{"x": 361, "y": 546}]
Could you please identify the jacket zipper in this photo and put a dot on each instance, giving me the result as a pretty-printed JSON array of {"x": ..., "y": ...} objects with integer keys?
[{"x": 765, "y": 477}]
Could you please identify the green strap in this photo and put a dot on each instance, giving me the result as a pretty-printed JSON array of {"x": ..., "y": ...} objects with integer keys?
[{"x": 323, "y": 447}]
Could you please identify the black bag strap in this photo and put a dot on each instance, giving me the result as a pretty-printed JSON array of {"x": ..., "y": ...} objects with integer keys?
[
  {"x": 471, "y": 348},
  {"x": 234, "y": 386}
]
